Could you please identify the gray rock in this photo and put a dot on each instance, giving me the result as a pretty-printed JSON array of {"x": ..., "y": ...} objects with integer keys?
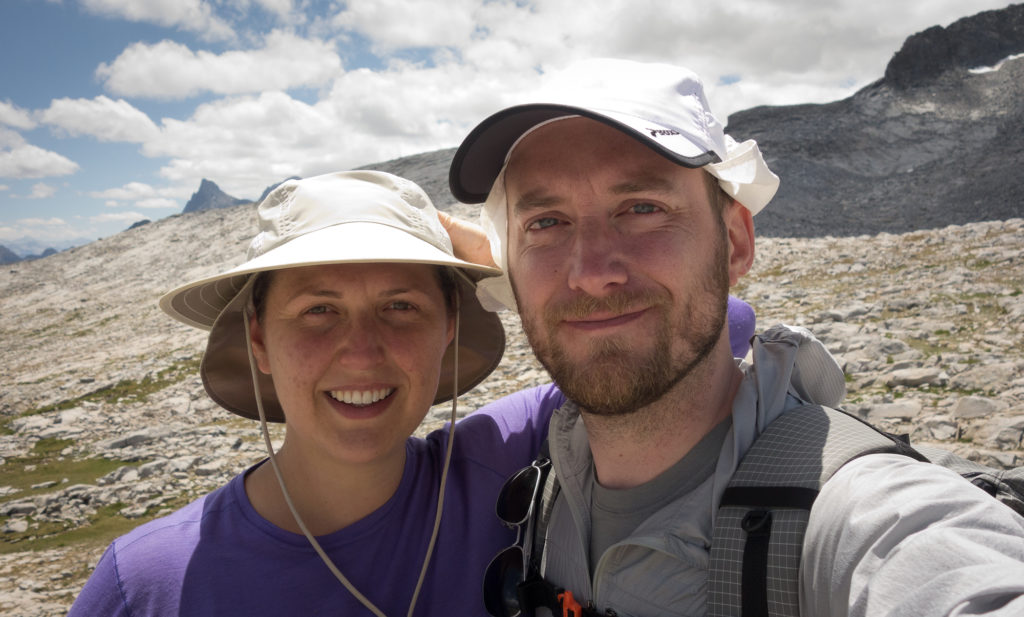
[
  {"x": 970, "y": 407},
  {"x": 902, "y": 410},
  {"x": 18, "y": 525},
  {"x": 986, "y": 378},
  {"x": 914, "y": 377}
]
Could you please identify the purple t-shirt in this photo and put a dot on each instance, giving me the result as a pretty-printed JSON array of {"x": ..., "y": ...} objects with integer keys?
[{"x": 217, "y": 556}]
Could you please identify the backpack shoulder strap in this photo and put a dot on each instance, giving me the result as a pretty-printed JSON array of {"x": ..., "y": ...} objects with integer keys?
[
  {"x": 545, "y": 505},
  {"x": 761, "y": 520}
]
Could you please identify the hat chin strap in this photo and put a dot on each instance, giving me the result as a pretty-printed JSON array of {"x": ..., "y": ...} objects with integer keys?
[{"x": 295, "y": 512}]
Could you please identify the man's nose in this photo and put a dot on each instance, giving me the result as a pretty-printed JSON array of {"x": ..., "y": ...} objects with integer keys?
[{"x": 596, "y": 261}]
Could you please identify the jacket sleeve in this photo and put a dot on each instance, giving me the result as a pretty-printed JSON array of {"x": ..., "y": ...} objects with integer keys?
[{"x": 889, "y": 536}]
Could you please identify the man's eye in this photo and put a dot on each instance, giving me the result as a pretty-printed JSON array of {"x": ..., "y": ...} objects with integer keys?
[
  {"x": 401, "y": 305},
  {"x": 643, "y": 208},
  {"x": 317, "y": 310},
  {"x": 543, "y": 223}
]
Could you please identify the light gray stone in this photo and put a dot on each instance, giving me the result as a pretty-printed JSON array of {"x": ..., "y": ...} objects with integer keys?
[
  {"x": 901, "y": 410},
  {"x": 914, "y": 377},
  {"x": 970, "y": 407}
]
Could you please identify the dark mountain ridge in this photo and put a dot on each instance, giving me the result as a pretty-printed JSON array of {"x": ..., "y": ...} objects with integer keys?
[
  {"x": 931, "y": 144},
  {"x": 209, "y": 197}
]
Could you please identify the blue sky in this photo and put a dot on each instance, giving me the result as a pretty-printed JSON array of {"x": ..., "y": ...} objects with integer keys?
[{"x": 112, "y": 111}]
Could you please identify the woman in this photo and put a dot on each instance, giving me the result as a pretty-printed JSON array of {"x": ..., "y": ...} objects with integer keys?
[{"x": 350, "y": 319}]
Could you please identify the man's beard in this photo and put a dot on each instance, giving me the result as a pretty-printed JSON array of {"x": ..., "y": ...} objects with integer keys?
[{"x": 616, "y": 378}]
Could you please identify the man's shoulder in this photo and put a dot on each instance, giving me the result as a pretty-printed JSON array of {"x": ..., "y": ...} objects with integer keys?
[{"x": 518, "y": 421}]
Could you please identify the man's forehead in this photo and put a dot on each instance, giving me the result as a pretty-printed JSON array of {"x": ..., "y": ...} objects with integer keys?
[{"x": 631, "y": 182}]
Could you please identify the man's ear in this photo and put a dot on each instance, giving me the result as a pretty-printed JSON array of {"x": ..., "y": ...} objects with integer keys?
[
  {"x": 739, "y": 225},
  {"x": 259, "y": 346}
]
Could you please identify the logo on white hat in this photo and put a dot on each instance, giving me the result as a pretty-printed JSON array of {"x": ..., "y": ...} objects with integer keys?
[{"x": 662, "y": 132}]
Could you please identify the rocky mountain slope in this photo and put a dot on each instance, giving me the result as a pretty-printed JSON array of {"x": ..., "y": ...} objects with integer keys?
[
  {"x": 104, "y": 422},
  {"x": 928, "y": 145}
]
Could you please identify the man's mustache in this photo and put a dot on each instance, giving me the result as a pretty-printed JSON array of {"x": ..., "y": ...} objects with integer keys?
[{"x": 583, "y": 305}]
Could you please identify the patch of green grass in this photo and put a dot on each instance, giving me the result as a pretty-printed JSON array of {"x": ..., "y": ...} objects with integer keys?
[
  {"x": 103, "y": 527},
  {"x": 129, "y": 390},
  {"x": 929, "y": 349},
  {"x": 37, "y": 468}
]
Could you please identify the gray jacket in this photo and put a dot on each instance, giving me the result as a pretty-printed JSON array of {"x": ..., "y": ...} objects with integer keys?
[{"x": 661, "y": 568}]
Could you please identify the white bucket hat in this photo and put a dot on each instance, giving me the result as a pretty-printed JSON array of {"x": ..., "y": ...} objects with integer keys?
[
  {"x": 661, "y": 105},
  {"x": 345, "y": 217}
]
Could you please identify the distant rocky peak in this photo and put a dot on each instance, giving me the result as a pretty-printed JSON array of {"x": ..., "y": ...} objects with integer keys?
[
  {"x": 979, "y": 40},
  {"x": 7, "y": 256},
  {"x": 274, "y": 186},
  {"x": 209, "y": 196}
]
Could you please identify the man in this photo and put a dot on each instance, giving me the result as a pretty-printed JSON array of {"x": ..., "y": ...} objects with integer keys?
[{"x": 622, "y": 215}]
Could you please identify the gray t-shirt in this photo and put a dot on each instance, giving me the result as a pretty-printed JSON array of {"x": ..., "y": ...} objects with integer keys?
[{"x": 615, "y": 513}]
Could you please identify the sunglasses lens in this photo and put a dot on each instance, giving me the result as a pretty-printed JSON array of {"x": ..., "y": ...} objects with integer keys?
[
  {"x": 503, "y": 574},
  {"x": 516, "y": 496}
]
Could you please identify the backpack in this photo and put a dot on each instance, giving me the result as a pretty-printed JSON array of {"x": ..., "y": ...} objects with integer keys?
[{"x": 759, "y": 531}]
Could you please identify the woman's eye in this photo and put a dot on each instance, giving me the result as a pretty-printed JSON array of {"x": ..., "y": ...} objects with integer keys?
[
  {"x": 543, "y": 223},
  {"x": 316, "y": 310},
  {"x": 401, "y": 305}
]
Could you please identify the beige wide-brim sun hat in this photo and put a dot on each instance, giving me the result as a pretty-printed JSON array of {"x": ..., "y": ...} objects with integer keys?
[{"x": 337, "y": 218}]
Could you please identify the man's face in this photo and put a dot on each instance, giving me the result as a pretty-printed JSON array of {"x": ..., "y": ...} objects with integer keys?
[{"x": 620, "y": 264}]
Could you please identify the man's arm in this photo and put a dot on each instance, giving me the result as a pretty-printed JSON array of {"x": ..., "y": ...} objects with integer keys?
[
  {"x": 895, "y": 537},
  {"x": 468, "y": 240}
]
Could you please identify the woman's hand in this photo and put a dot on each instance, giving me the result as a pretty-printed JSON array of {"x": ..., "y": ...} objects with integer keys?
[{"x": 468, "y": 240}]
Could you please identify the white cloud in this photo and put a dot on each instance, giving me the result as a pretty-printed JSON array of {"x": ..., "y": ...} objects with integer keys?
[
  {"x": 192, "y": 15},
  {"x": 403, "y": 24},
  {"x": 4, "y": 187},
  {"x": 142, "y": 195},
  {"x": 787, "y": 50},
  {"x": 157, "y": 203},
  {"x": 42, "y": 222},
  {"x": 247, "y": 143},
  {"x": 128, "y": 192},
  {"x": 41, "y": 190},
  {"x": 44, "y": 230},
  {"x": 117, "y": 217},
  {"x": 13, "y": 116},
  {"x": 28, "y": 161},
  {"x": 170, "y": 70},
  {"x": 101, "y": 117},
  {"x": 10, "y": 139}
]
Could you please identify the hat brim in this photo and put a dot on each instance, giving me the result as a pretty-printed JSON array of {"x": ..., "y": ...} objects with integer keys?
[
  {"x": 199, "y": 303},
  {"x": 217, "y": 303},
  {"x": 482, "y": 154}
]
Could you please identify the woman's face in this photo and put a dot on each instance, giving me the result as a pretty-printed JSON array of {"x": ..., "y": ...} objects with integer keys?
[{"x": 355, "y": 354}]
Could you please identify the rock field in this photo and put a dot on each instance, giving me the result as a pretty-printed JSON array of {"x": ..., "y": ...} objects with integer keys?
[{"x": 101, "y": 389}]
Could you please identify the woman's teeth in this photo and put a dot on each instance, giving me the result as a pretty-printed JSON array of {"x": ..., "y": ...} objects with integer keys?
[{"x": 361, "y": 397}]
